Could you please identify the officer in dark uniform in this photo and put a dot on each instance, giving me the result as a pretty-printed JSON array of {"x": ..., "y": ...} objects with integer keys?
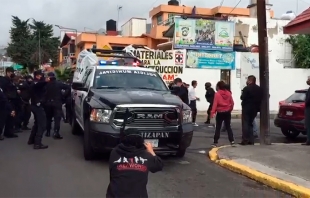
[
  {"x": 24, "y": 88},
  {"x": 5, "y": 111},
  {"x": 10, "y": 90},
  {"x": 53, "y": 105},
  {"x": 68, "y": 104},
  {"x": 37, "y": 93}
]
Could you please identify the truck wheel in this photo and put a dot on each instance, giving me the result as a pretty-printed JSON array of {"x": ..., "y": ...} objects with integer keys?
[
  {"x": 289, "y": 133},
  {"x": 75, "y": 128},
  {"x": 89, "y": 153},
  {"x": 180, "y": 153}
]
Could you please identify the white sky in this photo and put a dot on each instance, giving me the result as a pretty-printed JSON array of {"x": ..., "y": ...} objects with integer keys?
[{"x": 93, "y": 14}]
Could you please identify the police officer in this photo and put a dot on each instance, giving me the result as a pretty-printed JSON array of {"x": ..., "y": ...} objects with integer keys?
[
  {"x": 53, "y": 105},
  {"x": 67, "y": 95},
  {"x": 10, "y": 90},
  {"x": 24, "y": 87},
  {"x": 6, "y": 111},
  {"x": 37, "y": 95}
]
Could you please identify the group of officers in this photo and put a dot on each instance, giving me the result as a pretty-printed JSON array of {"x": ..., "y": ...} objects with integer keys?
[{"x": 42, "y": 95}]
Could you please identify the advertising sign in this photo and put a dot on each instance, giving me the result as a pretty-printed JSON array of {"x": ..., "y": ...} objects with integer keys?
[
  {"x": 169, "y": 64},
  {"x": 249, "y": 63},
  {"x": 210, "y": 60},
  {"x": 204, "y": 34}
]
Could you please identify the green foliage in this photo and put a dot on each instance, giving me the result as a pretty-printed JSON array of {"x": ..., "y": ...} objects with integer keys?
[
  {"x": 300, "y": 49},
  {"x": 64, "y": 73},
  {"x": 30, "y": 41}
]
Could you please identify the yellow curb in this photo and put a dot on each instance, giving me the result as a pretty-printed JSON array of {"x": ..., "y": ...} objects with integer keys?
[{"x": 287, "y": 187}]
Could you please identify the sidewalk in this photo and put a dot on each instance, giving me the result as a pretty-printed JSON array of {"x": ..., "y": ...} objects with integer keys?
[
  {"x": 236, "y": 114},
  {"x": 281, "y": 166}
]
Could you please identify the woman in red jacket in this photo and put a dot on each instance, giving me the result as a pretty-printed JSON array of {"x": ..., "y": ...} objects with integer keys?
[{"x": 223, "y": 104}]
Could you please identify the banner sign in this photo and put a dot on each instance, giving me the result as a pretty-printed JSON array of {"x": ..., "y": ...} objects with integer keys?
[
  {"x": 204, "y": 34},
  {"x": 210, "y": 60},
  {"x": 169, "y": 64},
  {"x": 249, "y": 63}
]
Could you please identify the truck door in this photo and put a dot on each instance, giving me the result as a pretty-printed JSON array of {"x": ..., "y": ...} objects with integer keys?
[{"x": 80, "y": 95}]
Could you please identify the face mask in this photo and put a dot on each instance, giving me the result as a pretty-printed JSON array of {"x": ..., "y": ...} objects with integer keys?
[{"x": 12, "y": 75}]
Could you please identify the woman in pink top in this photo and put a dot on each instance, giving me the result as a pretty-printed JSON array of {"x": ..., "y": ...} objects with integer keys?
[{"x": 223, "y": 104}]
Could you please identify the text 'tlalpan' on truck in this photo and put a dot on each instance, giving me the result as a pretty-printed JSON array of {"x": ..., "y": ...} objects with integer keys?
[{"x": 106, "y": 85}]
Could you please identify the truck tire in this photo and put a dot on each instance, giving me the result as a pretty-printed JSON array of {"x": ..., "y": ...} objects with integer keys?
[
  {"x": 89, "y": 153},
  {"x": 289, "y": 133},
  {"x": 181, "y": 153}
]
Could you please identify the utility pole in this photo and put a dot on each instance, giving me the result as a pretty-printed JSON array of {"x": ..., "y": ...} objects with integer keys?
[
  {"x": 40, "y": 61},
  {"x": 118, "y": 11},
  {"x": 263, "y": 72}
]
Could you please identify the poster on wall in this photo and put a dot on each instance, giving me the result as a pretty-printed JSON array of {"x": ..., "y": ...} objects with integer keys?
[
  {"x": 169, "y": 64},
  {"x": 249, "y": 63},
  {"x": 210, "y": 60},
  {"x": 203, "y": 34}
]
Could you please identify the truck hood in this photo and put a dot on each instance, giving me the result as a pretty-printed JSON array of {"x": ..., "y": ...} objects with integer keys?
[{"x": 116, "y": 97}]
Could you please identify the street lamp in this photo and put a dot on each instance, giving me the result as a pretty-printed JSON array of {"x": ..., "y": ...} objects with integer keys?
[
  {"x": 76, "y": 34},
  {"x": 39, "y": 44}
]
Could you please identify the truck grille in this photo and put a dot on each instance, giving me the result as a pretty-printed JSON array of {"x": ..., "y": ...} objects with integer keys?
[{"x": 147, "y": 117}]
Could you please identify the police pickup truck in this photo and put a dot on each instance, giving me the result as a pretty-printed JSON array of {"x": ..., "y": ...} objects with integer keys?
[{"x": 109, "y": 90}]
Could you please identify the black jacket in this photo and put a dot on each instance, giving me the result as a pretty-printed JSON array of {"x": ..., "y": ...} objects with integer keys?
[
  {"x": 37, "y": 91},
  {"x": 10, "y": 90},
  {"x": 54, "y": 91},
  {"x": 182, "y": 92},
  {"x": 307, "y": 103},
  {"x": 6, "y": 106},
  {"x": 129, "y": 169},
  {"x": 210, "y": 95},
  {"x": 252, "y": 96},
  {"x": 24, "y": 88}
]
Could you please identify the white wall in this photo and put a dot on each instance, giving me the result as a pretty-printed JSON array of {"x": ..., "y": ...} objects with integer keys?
[{"x": 283, "y": 81}]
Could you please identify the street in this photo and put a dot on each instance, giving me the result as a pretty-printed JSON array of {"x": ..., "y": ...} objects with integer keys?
[{"x": 61, "y": 171}]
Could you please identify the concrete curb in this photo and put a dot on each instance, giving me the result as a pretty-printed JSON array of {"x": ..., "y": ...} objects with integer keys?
[{"x": 273, "y": 182}]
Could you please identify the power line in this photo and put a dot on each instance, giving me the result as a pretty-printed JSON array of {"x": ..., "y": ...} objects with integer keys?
[{"x": 235, "y": 6}]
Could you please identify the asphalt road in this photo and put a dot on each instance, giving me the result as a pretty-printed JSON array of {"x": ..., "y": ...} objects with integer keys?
[{"x": 60, "y": 171}]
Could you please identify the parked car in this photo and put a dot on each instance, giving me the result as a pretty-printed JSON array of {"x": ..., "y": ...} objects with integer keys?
[{"x": 291, "y": 116}]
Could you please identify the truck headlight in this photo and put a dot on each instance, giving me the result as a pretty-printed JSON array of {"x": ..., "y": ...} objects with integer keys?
[
  {"x": 187, "y": 116},
  {"x": 100, "y": 115}
]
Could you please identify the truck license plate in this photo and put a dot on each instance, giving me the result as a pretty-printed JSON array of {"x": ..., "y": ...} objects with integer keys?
[
  {"x": 154, "y": 142},
  {"x": 289, "y": 113}
]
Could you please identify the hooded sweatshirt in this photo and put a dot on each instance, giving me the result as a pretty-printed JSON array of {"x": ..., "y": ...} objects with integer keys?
[
  {"x": 223, "y": 102},
  {"x": 129, "y": 169}
]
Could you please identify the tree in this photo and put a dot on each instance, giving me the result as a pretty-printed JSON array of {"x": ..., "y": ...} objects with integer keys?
[
  {"x": 300, "y": 49},
  {"x": 20, "y": 47},
  {"x": 64, "y": 73},
  {"x": 32, "y": 44},
  {"x": 43, "y": 35}
]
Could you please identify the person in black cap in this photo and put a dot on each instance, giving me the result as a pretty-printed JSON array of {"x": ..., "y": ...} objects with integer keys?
[
  {"x": 37, "y": 93},
  {"x": 129, "y": 164},
  {"x": 6, "y": 107},
  {"x": 10, "y": 90},
  {"x": 181, "y": 91},
  {"x": 24, "y": 88},
  {"x": 53, "y": 104}
]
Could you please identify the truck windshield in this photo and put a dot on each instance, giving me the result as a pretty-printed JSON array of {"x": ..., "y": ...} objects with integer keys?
[{"x": 129, "y": 79}]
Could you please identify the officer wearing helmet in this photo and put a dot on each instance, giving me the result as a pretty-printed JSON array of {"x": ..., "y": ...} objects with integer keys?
[
  {"x": 53, "y": 104},
  {"x": 37, "y": 95}
]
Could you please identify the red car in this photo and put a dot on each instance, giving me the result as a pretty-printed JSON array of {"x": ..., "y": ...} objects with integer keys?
[{"x": 291, "y": 115}]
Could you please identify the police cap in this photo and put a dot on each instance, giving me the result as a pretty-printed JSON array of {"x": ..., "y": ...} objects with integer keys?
[
  {"x": 51, "y": 74},
  {"x": 38, "y": 72},
  {"x": 9, "y": 69}
]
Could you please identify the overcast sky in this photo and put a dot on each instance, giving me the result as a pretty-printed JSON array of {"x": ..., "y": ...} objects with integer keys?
[{"x": 92, "y": 14}]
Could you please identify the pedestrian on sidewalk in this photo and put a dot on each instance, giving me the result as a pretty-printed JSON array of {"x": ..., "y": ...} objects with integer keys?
[
  {"x": 227, "y": 87},
  {"x": 307, "y": 114},
  {"x": 251, "y": 98},
  {"x": 223, "y": 105},
  {"x": 193, "y": 101},
  {"x": 209, "y": 97},
  {"x": 130, "y": 163}
]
